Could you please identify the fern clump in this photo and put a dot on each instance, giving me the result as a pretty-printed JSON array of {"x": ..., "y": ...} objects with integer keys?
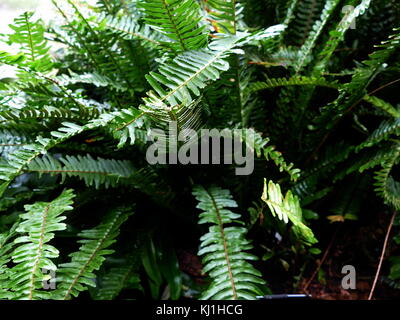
[{"x": 84, "y": 99}]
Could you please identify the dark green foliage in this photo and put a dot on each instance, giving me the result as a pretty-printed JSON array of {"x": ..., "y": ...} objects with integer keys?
[{"x": 315, "y": 101}]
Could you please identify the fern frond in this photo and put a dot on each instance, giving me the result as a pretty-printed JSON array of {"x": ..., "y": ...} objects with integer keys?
[
  {"x": 223, "y": 248},
  {"x": 118, "y": 278},
  {"x": 6, "y": 249},
  {"x": 383, "y": 132},
  {"x": 337, "y": 35},
  {"x": 129, "y": 125},
  {"x": 178, "y": 20},
  {"x": 255, "y": 140},
  {"x": 20, "y": 159},
  {"x": 49, "y": 112},
  {"x": 381, "y": 104},
  {"x": 75, "y": 276},
  {"x": 372, "y": 159},
  {"x": 307, "y": 47},
  {"x": 306, "y": 13},
  {"x": 89, "y": 78},
  {"x": 33, "y": 252},
  {"x": 110, "y": 62},
  {"x": 294, "y": 81},
  {"x": 129, "y": 28},
  {"x": 287, "y": 208},
  {"x": 385, "y": 185},
  {"x": 356, "y": 89},
  {"x": 188, "y": 73},
  {"x": 30, "y": 35},
  {"x": 94, "y": 172},
  {"x": 11, "y": 140}
]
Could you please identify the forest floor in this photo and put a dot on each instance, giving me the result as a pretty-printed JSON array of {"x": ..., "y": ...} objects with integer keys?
[
  {"x": 343, "y": 246},
  {"x": 360, "y": 247}
]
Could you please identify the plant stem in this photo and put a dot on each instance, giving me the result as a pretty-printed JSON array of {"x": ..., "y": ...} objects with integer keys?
[{"x": 382, "y": 256}]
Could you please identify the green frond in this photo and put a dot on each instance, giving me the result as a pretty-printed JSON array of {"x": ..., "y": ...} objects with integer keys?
[
  {"x": 180, "y": 80},
  {"x": 178, "y": 20},
  {"x": 371, "y": 159},
  {"x": 115, "y": 280},
  {"x": 95, "y": 79},
  {"x": 6, "y": 250},
  {"x": 184, "y": 116},
  {"x": 21, "y": 158},
  {"x": 94, "y": 172},
  {"x": 75, "y": 276},
  {"x": 11, "y": 140},
  {"x": 32, "y": 252},
  {"x": 223, "y": 248},
  {"x": 290, "y": 12},
  {"x": 49, "y": 112},
  {"x": 129, "y": 125},
  {"x": 356, "y": 90},
  {"x": 255, "y": 140},
  {"x": 129, "y": 28},
  {"x": 337, "y": 35},
  {"x": 303, "y": 16},
  {"x": 385, "y": 184},
  {"x": 287, "y": 209},
  {"x": 294, "y": 81},
  {"x": 112, "y": 6},
  {"x": 30, "y": 36},
  {"x": 381, "y": 104},
  {"x": 383, "y": 132},
  {"x": 317, "y": 28},
  {"x": 88, "y": 39}
]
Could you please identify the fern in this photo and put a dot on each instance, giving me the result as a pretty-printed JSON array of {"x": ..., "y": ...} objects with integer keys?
[
  {"x": 337, "y": 35},
  {"x": 287, "y": 208},
  {"x": 94, "y": 172},
  {"x": 385, "y": 185},
  {"x": 117, "y": 279},
  {"x": 16, "y": 164},
  {"x": 75, "y": 276},
  {"x": 32, "y": 252},
  {"x": 80, "y": 115},
  {"x": 383, "y": 132},
  {"x": 317, "y": 28},
  {"x": 130, "y": 29},
  {"x": 295, "y": 81},
  {"x": 381, "y": 104},
  {"x": 30, "y": 35},
  {"x": 178, "y": 20},
  {"x": 232, "y": 276},
  {"x": 191, "y": 72}
]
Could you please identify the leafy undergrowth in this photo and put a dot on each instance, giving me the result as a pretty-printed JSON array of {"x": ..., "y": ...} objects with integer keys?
[{"x": 94, "y": 202}]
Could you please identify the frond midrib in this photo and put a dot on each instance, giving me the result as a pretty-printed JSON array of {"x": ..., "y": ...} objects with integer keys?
[{"x": 226, "y": 251}]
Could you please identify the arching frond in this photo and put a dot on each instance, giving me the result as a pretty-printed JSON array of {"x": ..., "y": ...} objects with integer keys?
[
  {"x": 223, "y": 248},
  {"x": 33, "y": 252},
  {"x": 30, "y": 36},
  {"x": 75, "y": 276}
]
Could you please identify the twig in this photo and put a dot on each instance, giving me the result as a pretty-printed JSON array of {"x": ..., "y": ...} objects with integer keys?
[
  {"x": 321, "y": 262},
  {"x": 382, "y": 256}
]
